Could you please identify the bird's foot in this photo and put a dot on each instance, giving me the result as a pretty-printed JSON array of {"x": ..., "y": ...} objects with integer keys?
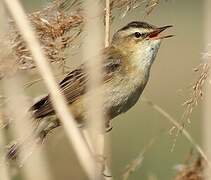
[
  {"x": 109, "y": 126},
  {"x": 44, "y": 132},
  {"x": 101, "y": 159}
]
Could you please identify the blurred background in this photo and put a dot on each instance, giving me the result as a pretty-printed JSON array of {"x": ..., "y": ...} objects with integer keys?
[{"x": 169, "y": 85}]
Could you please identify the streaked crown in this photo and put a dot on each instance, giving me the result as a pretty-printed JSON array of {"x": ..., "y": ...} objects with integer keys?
[{"x": 135, "y": 32}]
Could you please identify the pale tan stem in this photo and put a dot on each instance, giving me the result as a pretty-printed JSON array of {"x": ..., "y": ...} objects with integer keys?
[
  {"x": 207, "y": 96},
  {"x": 22, "y": 129},
  {"x": 107, "y": 43},
  {"x": 180, "y": 127},
  {"x": 93, "y": 45},
  {"x": 58, "y": 101},
  {"x": 4, "y": 169},
  {"x": 107, "y": 23},
  {"x": 106, "y": 172}
]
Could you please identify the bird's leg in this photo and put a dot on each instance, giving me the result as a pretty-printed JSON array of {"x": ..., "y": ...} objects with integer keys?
[
  {"x": 52, "y": 125},
  {"x": 108, "y": 126}
]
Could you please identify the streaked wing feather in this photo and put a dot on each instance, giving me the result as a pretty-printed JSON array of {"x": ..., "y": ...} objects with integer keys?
[{"x": 74, "y": 85}]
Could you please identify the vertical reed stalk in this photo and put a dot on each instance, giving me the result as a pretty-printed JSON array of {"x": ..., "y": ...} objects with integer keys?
[
  {"x": 69, "y": 125},
  {"x": 4, "y": 169},
  {"x": 107, "y": 23},
  {"x": 207, "y": 99},
  {"x": 22, "y": 129},
  {"x": 107, "y": 170},
  {"x": 93, "y": 45}
]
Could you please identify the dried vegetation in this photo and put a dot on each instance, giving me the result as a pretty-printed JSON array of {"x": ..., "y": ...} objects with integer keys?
[
  {"x": 192, "y": 170},
  {"x": 58, "y": 28},
  {"x": 197, "y": 90},
  {"x": 59, "y": 25},
  {"x": 55, "y": 33}
]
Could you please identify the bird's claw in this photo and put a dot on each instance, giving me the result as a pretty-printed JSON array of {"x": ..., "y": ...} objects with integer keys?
[{"x": 109, "y": 126}]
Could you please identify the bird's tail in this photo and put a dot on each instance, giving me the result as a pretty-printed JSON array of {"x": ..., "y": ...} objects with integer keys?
[{"x": 37, "y": 137}]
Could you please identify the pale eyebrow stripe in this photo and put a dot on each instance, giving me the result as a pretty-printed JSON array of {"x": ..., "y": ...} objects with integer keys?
[{"x": 132, "y": 31}]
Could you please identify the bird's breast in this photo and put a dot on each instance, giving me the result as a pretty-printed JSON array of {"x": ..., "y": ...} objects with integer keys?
[
  {"x": 120, "y": 94},
  {"x": 123, "y": 92}
]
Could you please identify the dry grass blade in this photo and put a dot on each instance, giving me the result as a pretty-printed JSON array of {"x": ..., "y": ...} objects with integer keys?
[
  {"x": 151, "y": 5},
  {"x": 129, "y": 4},
  {"x": 196, "y": 94},
  {"x": 137, "y": 161},
  {"x": 197, "y": 90},
  {"x": 70, "y": 127},
  {"x": 180, "y": 127},
  {"x": 65, "y": 5}
]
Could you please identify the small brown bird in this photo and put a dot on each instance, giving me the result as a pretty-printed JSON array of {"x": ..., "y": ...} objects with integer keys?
[{"x": 126, "y": 66}]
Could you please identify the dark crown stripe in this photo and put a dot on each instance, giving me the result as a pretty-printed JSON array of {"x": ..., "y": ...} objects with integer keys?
[{"x": 138, "y": 24}]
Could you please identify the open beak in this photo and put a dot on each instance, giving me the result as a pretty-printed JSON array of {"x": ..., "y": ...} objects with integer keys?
[{"x": 155, "y": 34}]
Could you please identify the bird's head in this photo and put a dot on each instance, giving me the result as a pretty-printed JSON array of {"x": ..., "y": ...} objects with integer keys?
[
  {"x": 140, "y": 34},
  {"x": 140, "y": 40}
]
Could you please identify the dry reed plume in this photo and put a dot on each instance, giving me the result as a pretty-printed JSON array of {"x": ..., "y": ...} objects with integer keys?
[
  {"x": 192, "y": 101},
  {"x": 55, "y": 34},
  {"x": 59, "y": 25},
  {"x": 58, "y": 28},
  {"x": 197, "y": 90},
  {"x": 192, "y": 170}
]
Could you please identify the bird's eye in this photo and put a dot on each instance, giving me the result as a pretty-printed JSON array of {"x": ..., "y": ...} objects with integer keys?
[{"x": 138, "y": 34}]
